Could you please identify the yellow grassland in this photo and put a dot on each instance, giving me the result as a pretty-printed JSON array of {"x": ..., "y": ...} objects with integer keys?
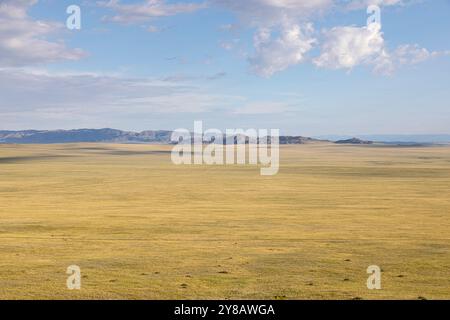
[{"x": 140, "y": 227}]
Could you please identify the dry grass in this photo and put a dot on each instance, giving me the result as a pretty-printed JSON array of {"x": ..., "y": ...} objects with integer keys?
[{"x": 142, "y": 228}]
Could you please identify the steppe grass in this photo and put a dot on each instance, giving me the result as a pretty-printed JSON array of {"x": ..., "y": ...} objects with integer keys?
[{"x": 140, "y": 227}]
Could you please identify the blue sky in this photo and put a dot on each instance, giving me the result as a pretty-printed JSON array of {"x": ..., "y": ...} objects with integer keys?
[{"x": 309, "y": 67}]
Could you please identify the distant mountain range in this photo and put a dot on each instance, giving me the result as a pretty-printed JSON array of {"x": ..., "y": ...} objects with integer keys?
[
  {"x": 163, "y": 137},
  {"x": 105, "y": 135},
  {"x": 395, "y": 138},
  {"x": 84, "y": 135}
]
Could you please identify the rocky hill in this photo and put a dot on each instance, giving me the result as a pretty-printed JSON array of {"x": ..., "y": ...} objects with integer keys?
[{"x": 353, "y": 141}]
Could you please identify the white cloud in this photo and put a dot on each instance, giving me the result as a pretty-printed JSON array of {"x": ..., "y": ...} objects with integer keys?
[
  {"x": 412, "y": 54},
  {"x": 148, "y": 9},
  {"x": 403, "y": 55},
  {"x": 341, "y": 47},
  {"x": 287, "y": 20},
  {"x": 274, "y": 55},
  {"x": 23, "y": 41},
  {"x": 347, "y": 47}
]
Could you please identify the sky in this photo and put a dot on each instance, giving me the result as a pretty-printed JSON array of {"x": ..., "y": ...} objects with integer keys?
[{"x": 306, "y": 67}]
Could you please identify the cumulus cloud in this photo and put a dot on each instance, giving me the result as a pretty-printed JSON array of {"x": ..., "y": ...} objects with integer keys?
[
  {"x": 24, "y": 41},
  {"x": 148, "y": 9},
  {"x": 283, "y": 35},
  {"x": 274, "y": 55},
  {"x": 347, "y": 47},
  {"x": 341, "y": 47}
]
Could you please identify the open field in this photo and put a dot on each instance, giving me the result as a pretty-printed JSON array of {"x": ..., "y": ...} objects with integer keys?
[{"x": 141, "y": 228}]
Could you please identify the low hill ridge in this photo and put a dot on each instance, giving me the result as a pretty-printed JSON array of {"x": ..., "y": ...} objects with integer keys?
[{"x": 106, "y": 135}]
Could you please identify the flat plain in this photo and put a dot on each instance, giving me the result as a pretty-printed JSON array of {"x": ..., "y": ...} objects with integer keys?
[{"x": 140, "y": 227}]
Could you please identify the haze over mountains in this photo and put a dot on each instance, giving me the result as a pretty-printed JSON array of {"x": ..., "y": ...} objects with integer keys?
[
  {"x": 394, "y": 138},
  {"x": 163, "y": 137}
]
